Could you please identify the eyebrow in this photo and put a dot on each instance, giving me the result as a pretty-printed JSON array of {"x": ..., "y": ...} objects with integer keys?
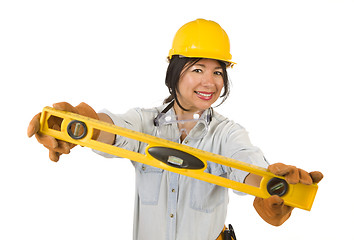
[{"x": 202, "y": 65}]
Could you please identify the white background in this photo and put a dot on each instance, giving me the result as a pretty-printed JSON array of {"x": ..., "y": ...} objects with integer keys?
[{"x": 292, "y": 90}]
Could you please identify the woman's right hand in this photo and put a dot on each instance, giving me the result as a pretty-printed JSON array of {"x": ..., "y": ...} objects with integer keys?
[{"x": 57, "y": 147}]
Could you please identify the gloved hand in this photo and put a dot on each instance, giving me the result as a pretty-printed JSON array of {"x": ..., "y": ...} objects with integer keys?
[
  {"x": 57, "y": 147},
  {"x": 272, "y": 210}
]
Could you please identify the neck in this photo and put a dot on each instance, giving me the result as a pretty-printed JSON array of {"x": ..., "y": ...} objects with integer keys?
[{"x": 183, "y": 115}]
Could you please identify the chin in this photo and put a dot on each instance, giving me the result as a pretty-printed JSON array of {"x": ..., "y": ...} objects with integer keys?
[{"x": 204, "y": 106}]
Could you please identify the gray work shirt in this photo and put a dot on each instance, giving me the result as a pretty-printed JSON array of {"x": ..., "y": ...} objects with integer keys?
[{"x": 169, "y": 206}]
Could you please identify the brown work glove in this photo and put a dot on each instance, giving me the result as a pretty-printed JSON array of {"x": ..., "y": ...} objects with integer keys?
[
  {"x": 57, "y": 147},
  {"x": 272, "y": 210}
]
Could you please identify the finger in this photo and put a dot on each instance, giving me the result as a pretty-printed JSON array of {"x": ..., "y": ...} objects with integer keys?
[
  {"x": 63, "y": 147},
  {"x": 54, "y": 156},
  {"x": 34, "y": 125},
  {"x": 290, "y": 173},
  {"x": 86, "y": 110},
  {"x": 277, "y": 205},
  {"x": 54, "y": 144},
  {"x": 56, "y": 126},
  {"x": 293, "y": 177},
  {"x": 64, "y": 106},
  {"x": 305, "y": 177},
  {"x": 48, "y": 141},
  {"x": 279, "y": 169},
  {"x": 316, "y": 176}
]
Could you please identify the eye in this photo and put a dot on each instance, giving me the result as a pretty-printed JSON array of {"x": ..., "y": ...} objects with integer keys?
[
  {"x": 218, "y": 73},
  {"x": 197, "y": 70}
]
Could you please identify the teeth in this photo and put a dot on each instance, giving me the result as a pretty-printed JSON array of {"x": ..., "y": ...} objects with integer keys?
[{"x": 204, "y": 95}]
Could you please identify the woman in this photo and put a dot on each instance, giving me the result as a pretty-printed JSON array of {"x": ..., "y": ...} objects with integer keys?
[{"x": 169, "y": 205}]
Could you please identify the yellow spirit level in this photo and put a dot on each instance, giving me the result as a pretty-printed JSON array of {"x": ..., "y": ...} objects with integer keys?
[{"x": 176, "y": 158}]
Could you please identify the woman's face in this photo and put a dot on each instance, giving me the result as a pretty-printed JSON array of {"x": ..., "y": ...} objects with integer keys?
[{"x": 200, "y": 85}]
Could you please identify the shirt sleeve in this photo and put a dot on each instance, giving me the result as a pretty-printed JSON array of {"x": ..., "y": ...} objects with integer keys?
[
  {"x": 130, "y": 120},
  {"x": 237, "y": 145}
]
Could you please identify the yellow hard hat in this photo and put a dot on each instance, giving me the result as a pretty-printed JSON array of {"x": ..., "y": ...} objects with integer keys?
[{"x": 202, "y": 39}]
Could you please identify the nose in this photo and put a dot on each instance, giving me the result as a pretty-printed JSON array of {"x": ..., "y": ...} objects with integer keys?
[{"x": 208, "y": 79}]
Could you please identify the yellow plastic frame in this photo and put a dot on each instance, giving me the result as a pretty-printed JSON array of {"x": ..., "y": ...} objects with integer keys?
[{"x": 298, "y": 195}]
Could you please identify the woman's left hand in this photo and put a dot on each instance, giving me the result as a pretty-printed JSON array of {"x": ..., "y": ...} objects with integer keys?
[
  {"x": 294, "y": 175},
  {"x": 272, "y": 210}
]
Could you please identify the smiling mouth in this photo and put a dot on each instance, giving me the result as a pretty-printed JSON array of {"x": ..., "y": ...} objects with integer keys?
[{"x": 204, "y": 94}]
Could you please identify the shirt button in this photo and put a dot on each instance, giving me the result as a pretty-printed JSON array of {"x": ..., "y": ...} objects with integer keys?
[
  {"x": 186, "y": 141},
  {"x": 171, "y": 215},
  {"x": 173, "y": 190},
  {"x": 143, "y": 168}
]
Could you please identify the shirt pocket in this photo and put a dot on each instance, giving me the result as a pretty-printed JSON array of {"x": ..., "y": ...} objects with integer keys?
[
  {"x": 148, "y": 183},
  {"x": 205, "y": 197}
]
